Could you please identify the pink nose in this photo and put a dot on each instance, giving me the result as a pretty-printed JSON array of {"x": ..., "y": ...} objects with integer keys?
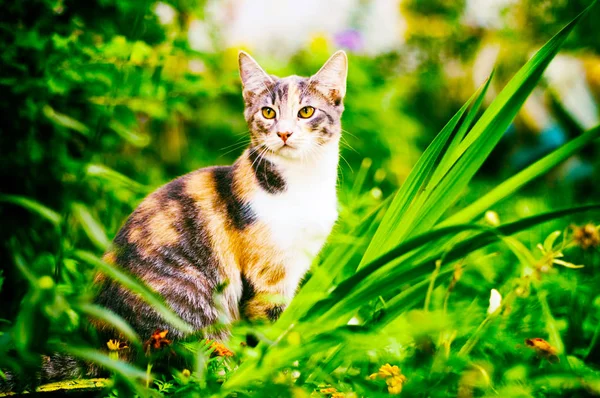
[{"x": 284, "y": 136}]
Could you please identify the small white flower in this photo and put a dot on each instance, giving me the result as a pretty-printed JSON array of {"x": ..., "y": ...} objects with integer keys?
[
  {"x": 165, "y": 13},
  {"x": 495, "y": 301}
]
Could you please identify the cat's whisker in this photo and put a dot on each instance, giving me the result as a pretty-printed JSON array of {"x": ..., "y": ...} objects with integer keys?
[
  {"x": 243, "y": 145},
  {"x": 237, "y": 144},
  {"x": 349, "y": 133},
  {"x": 344, "y": 142},
  {"x": 344, "y": 159}
]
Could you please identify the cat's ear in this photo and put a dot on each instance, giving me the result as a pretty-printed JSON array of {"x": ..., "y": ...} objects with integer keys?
[
  {"x": 331, "y": 78},
  {"x": 254, "y": 78}
]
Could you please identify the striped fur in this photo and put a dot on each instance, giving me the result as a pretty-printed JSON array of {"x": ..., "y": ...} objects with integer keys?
[{"x": 252, "y": 228}]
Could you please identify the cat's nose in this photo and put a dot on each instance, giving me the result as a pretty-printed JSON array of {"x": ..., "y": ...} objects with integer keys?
[{"x": 284, "y": 136}]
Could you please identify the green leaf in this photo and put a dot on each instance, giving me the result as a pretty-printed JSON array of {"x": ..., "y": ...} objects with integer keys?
[
  {"x": 522, "y": 178},
  {"x": 113, "y": 319},
  {"x": 486, "y": 133},
  {"x": 34, "y": 207},
  {"x": 134, "y": 138},
  {"x": 109, "y": 175},
  {"x": 92, "y": 228},
  {"x": 65, "y": 121},
  {"x": 128, "y": 371},
  {"x": 411, "y": 189},
  {"x": 549, "y": 241}
]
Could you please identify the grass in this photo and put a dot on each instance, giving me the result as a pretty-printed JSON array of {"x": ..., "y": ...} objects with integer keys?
[{"x": 409, "y": 287}]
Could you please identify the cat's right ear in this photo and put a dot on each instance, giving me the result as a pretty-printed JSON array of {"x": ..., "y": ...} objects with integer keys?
[{"x": 254, "y": 78}]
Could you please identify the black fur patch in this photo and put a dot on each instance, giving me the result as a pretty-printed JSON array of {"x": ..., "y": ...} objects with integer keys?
[
  {"x": 267, "y": 175},
  {"x": 274, "y": 313},
  {"x": 248, "y": 292},
  {"x": 238, "y": 212}
]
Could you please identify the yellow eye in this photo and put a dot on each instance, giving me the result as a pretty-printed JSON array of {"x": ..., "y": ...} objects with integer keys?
[
  {"x": 268, "y": 113},
  {"x": 306, "y": 112}
]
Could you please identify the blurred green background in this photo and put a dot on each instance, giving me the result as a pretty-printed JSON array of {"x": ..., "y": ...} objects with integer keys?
[{"x": 104, "y": 100}]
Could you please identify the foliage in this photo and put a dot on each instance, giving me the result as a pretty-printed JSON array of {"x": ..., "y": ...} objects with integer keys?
[{"x": 401, "y": 293}]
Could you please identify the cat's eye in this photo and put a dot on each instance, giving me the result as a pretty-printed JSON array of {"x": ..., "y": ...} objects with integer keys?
[
  {"x": 306, "y": 112},
  {"x": 268, "y": 113}
]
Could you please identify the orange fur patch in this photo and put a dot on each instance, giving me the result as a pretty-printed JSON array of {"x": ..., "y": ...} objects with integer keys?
[
  {"x": 244, "y": 179},
  {"x": 160, "y": 226},
  {"x": 200, "y": 186}
]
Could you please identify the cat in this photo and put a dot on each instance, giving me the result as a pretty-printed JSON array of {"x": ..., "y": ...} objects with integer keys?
[{"x": 253, "y": 227}]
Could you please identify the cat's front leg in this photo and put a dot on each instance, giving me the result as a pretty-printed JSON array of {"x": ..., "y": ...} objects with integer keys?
[
  {"x": 268, "y": 289},
  {"x": 263, "y": 306}
]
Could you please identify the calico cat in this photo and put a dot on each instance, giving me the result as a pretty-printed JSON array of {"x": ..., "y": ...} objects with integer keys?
[{"x": 253, "y": 227}]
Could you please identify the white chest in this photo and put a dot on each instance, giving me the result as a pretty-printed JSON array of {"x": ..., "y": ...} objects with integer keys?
[{"x": 299, "y": 220}]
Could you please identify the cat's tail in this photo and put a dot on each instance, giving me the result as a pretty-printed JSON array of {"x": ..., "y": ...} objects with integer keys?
[{"x": 56, "y": 367}]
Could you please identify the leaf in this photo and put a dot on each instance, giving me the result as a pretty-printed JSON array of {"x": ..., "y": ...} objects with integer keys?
[
  {"x": 549, "y": 241},
  {"x": 65, "y": 121},
  {"x": 91, "y": 226},
  {"x": 70, "y": 386},
  {"x": 129, "y": 372},
  {"x": 134, "y": 138},
  {"x": 33, "y": 206},
  {"x": 113, "y": 319},
  {"x": 522, "y": 178},
  {"x": 486, "y": 133},
  {"x": 109, "y": 175},
  {"x": 411, "y": 189}
]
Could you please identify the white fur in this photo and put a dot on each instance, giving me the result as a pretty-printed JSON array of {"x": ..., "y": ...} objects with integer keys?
[{"x": 301, "y": 218}]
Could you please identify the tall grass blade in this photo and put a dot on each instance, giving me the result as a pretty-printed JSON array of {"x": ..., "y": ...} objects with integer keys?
[
  {"x": 488, "y": 130},
  {"x": 112, "y": 319},
  {"x": 411, "y": 187},
  {"x": 522, "y": 178},
  {"x": 33, "y": 206}
]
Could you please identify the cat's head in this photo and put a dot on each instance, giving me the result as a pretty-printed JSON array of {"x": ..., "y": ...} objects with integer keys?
[{"x": 294, "y": 117}]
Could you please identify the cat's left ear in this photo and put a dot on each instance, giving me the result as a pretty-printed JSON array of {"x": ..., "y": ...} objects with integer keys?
[
  {"x": 331, "y": 78},
  {"x": 254, "y": 78}
]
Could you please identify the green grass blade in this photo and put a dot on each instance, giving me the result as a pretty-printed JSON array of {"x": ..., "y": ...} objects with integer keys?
[
  {"x": 522, "y": 178},
  {"x": 92, "y": 228},
  {"x": 34, "y": 207},
  {"x": 454, "y": 152},
  {"x": 488, "y": 130},
  {"x": 378, "y": 277},
  {"x": 121, "y": 367},
  {"x": 411, "y": 188},
  {"x": 112, "y": 319},
  {"x": 411, "y": 211}
]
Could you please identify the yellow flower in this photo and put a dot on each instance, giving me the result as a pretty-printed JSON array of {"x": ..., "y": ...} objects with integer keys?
[
  {"x": 395, "y": 384},
  {"x": 115, "y": 345},
  {"x": 393, "y": 378},
  {"x": 388, "y": 370},
  {"x": 332, "y": 392},
  {"x": 329, "y": 390}
]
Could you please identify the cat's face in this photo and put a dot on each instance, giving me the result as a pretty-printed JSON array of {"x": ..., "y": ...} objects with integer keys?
[{"x": 294, "y": 117}]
